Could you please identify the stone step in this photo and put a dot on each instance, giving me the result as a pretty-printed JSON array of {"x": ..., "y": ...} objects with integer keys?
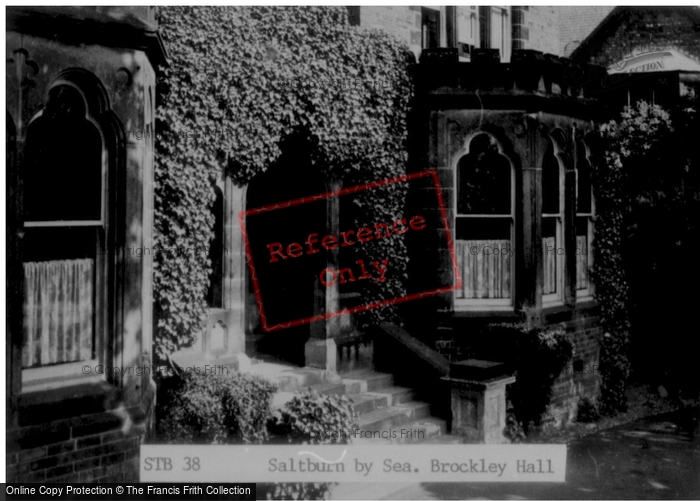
[
  {"x": 422, "y": 430},
  {"x": 363, "y": 403},
  {"x": 365, "y": 381},
  {"x": 445, "y": 439},
  {"x": 419, "y": 410},
  {"x": 412, "y": 432},
  {"x": 288, "y": 378},
  {"x": 396, "y": 394},
  {"x": 394, "y": 416},
  {"x": 331, "y": 388}
]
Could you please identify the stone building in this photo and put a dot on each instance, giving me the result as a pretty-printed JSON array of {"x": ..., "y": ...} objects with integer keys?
[
  {"x": 652, "y": 53},
  {"x": 495, "y": 95},
  {"x": 80, "y": 152},
  {"x": 553, "y": 30},
  {"x": 486, "y": 90}
]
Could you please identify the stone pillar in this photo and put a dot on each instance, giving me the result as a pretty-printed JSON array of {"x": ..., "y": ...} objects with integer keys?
[
  {"x": 321, "y": 351},
  {"x": 519, "y": 32},
  {"x": 227, "y": 326},
  {"x": 479, "y": 408},
  {"x": 570, "y": 221},
  {"x": 530, "y": 149}
]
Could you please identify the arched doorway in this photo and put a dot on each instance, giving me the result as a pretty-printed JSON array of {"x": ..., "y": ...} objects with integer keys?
[{"x": 289, "y": 288}]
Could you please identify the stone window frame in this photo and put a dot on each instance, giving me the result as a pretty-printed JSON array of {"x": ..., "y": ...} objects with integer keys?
[
  {"x": 437, "y": 13},
  {"x": 501, "y": 15},
  {"x": 557, "y": 298},
  {"x": 46, "y": 379},
  {"x": 489, "y": 305},
  {"x": 586, "y": 294}
]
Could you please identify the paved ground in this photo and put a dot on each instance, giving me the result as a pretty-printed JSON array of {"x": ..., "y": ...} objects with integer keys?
[{"x": 653, "y": 458}]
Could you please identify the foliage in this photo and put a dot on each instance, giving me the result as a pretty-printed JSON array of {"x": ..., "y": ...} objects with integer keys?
[
  {"x": 514, "y": 429},
  {"x": 310, "y": 418},
  {"x": 214, "y": 409},
  {"x": 316, "y": 419},
  {"x": 538, "y": 355},
  {"x": 587, "y": 411},
  {"x": 632, "y": 142},
  {"x": 240, "y": 80}
]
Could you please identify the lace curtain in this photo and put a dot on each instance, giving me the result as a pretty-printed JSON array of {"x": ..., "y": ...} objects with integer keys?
[
  {"x": 486, "y": 268},
  {"x": 581, "y": 262},
  {"x": 550, "y": 265},
  {"x": 58, "y": 312}
]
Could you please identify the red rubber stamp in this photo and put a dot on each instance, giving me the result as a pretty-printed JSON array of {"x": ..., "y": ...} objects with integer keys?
[{"x": 313, "y": 246}]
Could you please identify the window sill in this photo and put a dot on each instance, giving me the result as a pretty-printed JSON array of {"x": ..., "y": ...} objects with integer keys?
[
  {"x": 584, "y": 300},
  {"x": 566, "y": 312},
  {"x": 60, "y": 389},
  {"x": 482, "y": 306},
  {"x": 552, "y": 303},
  {"x": 586, "y": 303},
  {"x": 503, "y": 312},
  {"x": 85, "y": 396}
]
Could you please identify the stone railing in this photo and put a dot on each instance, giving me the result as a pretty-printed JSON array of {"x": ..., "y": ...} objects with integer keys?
[{"x": 529, "y": 71}]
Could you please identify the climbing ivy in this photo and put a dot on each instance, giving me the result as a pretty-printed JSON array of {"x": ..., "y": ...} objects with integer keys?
[
  {"x": 239, "y": 80},
  {"x": 631, "y": 142}
]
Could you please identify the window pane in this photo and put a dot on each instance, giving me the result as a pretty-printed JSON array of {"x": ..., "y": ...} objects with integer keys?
[
  {"x": 550, "y": 182},
  {"x": 474, "y": 228},
  {"x": 50, "y": 244},
  {"x": 63, "y": 162},
  {"x": 484, "y": 179},
  {"x": 58, "y": 311},
  {"x": 59, "y": 284},
  {"x": 431, "y": 28},
  {"x": 583, "y": 181},
  {"x": 484, "y": 257},
  {"x": 582, "y": 264},
  {"x": 551, "y": 251}
]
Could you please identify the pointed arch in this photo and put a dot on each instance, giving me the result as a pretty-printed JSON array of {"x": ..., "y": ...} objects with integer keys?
[
  {"x": 485, "y": 221},
  {"x": 74, "y": 177}
]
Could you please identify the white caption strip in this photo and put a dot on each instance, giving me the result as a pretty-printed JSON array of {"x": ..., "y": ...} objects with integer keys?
[{"x": 353, "y": 463}]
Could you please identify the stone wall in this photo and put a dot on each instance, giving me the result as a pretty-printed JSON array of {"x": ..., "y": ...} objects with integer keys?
[
  {"x": 540, "y": 30},
  {"x": 402, "y": 22}
]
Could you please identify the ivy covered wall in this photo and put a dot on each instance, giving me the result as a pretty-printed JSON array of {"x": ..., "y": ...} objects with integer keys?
[{"x": 240, "y": 80}]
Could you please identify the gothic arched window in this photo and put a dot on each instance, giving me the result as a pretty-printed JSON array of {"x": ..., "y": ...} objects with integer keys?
[
  {"x": 585, "y": 213},
  {"x": 552, "y": 226},
  {"x": 65, "y": 253},
  {"x": 484, "y": 225}
]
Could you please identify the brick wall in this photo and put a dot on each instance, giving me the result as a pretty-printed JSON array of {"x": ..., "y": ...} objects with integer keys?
[
  {"x": 651, "y": 28},
  {"x": 581, "y": 377},
  {"x": 91, "y": 448}
]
